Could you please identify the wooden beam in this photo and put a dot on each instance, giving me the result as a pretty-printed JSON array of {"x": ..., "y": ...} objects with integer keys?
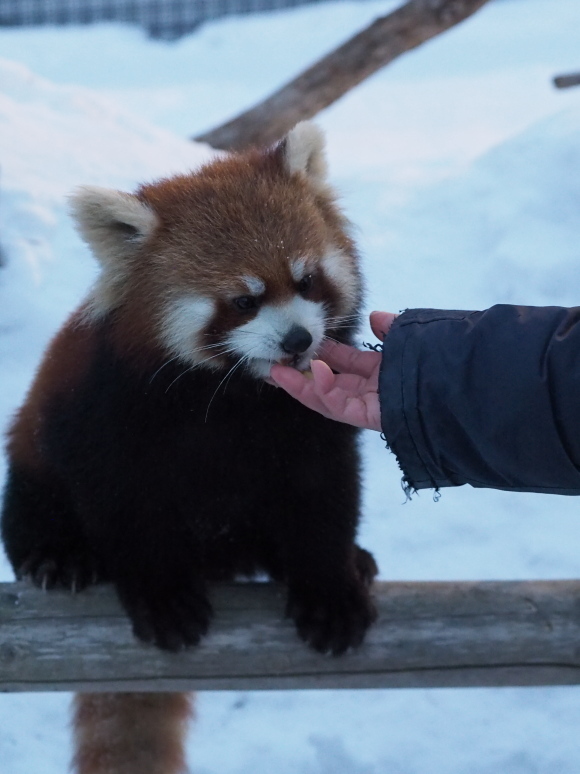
[
  {"x": 332, "y": 76},
  {"x": 427, "y": 635}
]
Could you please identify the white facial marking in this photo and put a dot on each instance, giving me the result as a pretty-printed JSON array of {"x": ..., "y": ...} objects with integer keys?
[
  {"x": 298, "y": 269},
  {"x": 255, "y": 285},
  {"x": 183, "y": 322},
  {"x": 338, "y": 268},
  {"x": 260, "y": 339}
]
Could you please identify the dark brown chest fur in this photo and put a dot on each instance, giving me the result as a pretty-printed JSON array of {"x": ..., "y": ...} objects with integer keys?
[{"x": 160, "y": 479}]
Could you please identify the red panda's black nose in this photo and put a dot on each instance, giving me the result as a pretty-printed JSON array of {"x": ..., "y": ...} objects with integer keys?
[{"x": 296, "y": 341}]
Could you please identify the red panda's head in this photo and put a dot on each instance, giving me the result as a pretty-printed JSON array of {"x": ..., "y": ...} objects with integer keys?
[{"x": 248, "y": 260}]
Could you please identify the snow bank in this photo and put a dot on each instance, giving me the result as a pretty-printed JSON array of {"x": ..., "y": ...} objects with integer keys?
[
  {"x": 53, "y": 139},
  {"x": 505, "y": 231}
]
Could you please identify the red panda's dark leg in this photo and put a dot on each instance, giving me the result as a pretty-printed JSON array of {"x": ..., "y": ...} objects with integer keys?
[
  {"x": 41, "y": 536},
  {"x": 328, "y": 575},
  {"x": 333, "y": 609},
  {"x": 153, "y": 558},
  {"x": 131, "y": 733}
]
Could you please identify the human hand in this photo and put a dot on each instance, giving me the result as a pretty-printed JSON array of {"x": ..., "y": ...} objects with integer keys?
[{"x": 351, "y": 394}]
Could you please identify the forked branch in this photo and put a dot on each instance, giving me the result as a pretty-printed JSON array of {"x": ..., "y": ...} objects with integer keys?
[{"x": 332, "y": 76}]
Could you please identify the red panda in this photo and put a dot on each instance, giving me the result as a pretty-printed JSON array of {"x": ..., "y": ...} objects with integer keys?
[
  {"x": 131, "y": 733},
  {"x": 152, "y": 453}
]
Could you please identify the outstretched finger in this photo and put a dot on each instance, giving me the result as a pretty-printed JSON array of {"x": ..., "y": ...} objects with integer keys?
[
  {"x": 338, "y": 397},
  {"x": 299, "y": 386},
  {"x": 322, "y": 376},
  {"x": 347, "y": 359}
]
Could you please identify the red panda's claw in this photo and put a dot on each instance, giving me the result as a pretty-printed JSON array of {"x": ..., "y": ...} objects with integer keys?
[{"x": 49, "y": 569}]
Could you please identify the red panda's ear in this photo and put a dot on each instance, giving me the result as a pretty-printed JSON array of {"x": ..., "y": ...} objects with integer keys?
[
  {"x": 112, "y": 223},
  {"x": 303, "y": 151}
]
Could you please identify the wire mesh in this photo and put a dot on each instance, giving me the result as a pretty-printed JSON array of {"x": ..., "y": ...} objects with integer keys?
[{"x": 169, "y": 19}]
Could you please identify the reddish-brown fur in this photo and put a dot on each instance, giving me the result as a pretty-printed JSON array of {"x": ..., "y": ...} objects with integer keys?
[
  {"x": 71, "y": 354},
  {"x": 131, "y": 733}
]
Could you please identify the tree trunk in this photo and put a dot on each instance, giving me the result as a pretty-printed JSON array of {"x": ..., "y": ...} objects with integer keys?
[{"x": 331, "y": 77}]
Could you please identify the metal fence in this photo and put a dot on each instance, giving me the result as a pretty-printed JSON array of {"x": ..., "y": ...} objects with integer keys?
[{"x": 169, "y": 19}]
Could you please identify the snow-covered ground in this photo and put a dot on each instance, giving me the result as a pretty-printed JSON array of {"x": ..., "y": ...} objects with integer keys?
[{"x": 460, "y": 165}]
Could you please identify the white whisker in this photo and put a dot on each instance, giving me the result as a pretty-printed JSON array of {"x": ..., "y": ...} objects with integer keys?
[
  {"x": 232, "y": 369},
  {"x": 162, "y": 367},
  {"x": 341, "y": 322},
  {"x": 229, "y": 374},
  {"x": 340, "y": 317},
  {"x": 228, "y": 351},
  {"x": 187, "y": 370}
]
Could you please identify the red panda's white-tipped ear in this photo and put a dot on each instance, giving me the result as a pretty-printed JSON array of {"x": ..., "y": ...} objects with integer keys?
[
  {"x": 113, "y": 223},
  {"x": 304, "y": 152}
]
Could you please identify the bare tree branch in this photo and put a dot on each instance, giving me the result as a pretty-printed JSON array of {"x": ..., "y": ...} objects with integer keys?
[
  {"x": 565, "y": 81},
  {"x": 338, "y": 72}
]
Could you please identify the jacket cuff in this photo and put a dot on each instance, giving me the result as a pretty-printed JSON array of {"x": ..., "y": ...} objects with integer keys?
[{"x": 400, "y": 418}]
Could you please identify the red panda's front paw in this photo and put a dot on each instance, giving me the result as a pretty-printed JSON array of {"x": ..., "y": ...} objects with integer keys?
[
  {"x": 365, "y": 565},
  {"x": 170, "y": 620},
  {"x": 70, "y": 569},
  {"x": 333, "y": 621}
]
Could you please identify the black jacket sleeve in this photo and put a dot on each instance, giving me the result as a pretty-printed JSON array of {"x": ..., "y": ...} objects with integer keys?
[{"x": 490, "y": 398}]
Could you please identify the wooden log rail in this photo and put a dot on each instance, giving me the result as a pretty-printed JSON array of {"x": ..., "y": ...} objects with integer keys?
[{"x": 427, "y": 635}]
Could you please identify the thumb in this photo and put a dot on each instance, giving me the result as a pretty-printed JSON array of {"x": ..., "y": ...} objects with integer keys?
[{"x": 381, "y": 322}]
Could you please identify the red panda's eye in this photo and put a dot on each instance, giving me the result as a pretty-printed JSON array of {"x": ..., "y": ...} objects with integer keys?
[
  {"x": 245, "y": 303},
  {"x": 305, "y": 283}
]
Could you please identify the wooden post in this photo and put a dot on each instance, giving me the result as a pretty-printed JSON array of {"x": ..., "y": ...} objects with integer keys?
[
  {"x": 427, "y": 635},
  {"x": 332, "y": 76}
]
